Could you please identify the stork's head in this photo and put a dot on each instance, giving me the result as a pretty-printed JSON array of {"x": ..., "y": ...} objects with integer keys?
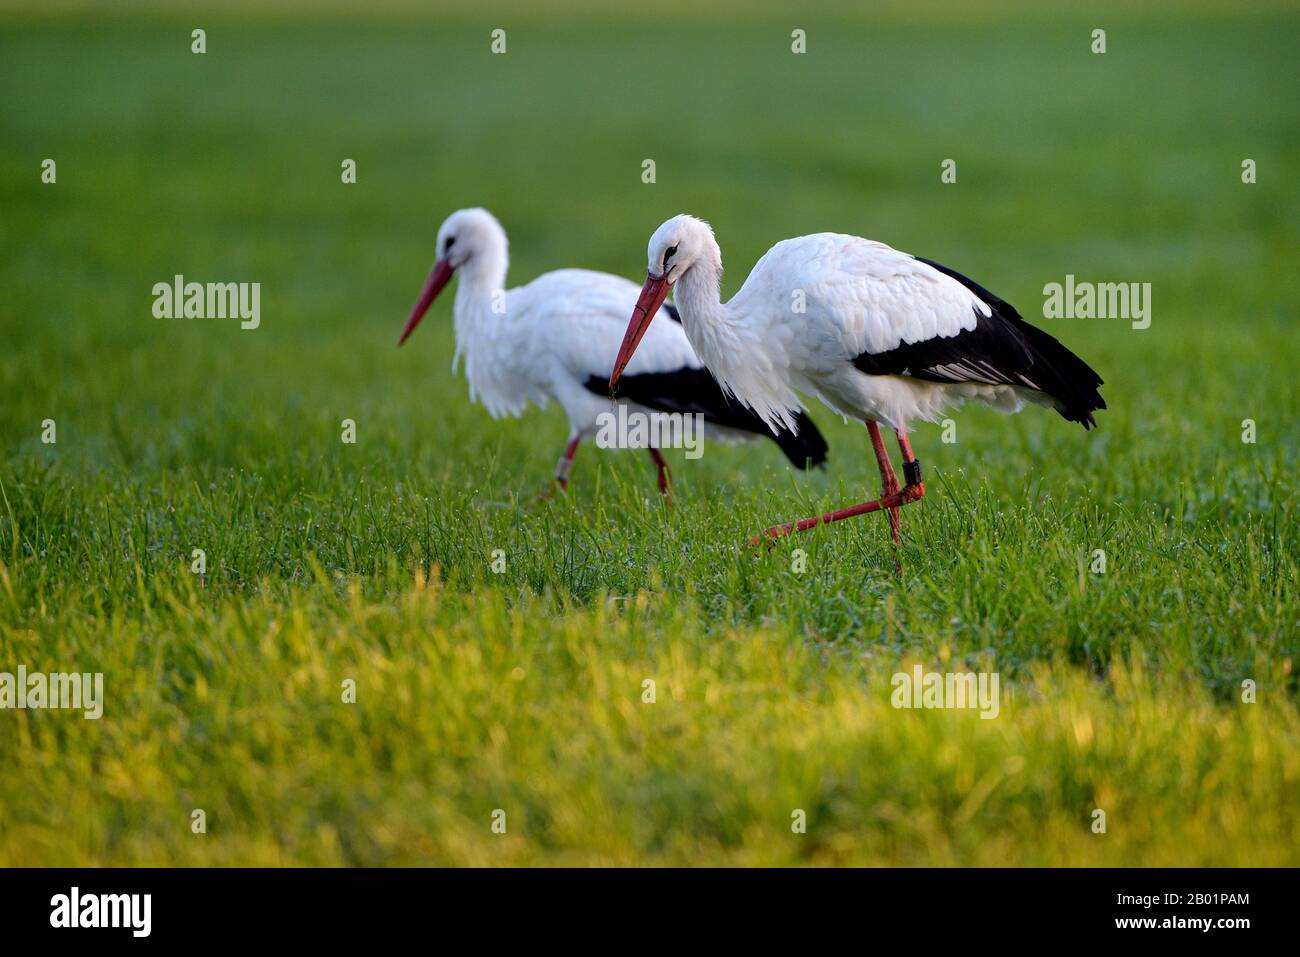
[
  {"x": 676, "y": 246},
  {"x": 467, "y": 239}
]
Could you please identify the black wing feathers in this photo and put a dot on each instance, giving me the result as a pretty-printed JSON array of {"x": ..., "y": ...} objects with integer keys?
[
  {"x": 1001, "y": 349},
  {"x": 691, "y": 391}
]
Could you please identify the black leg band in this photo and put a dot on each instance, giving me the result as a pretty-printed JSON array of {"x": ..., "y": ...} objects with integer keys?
[{"x": 912, "y": 472}]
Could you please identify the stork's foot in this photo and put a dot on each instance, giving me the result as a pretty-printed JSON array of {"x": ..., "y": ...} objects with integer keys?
[
  {"x": 912, "y": 492},
  {"x": 888, "y": 483},
  {"x": 892, "y": 498}
]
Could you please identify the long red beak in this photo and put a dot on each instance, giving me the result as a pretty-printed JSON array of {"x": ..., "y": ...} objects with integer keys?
[
  {"x": 442, "y": 271},
  {"x": 653, "y": 294}
]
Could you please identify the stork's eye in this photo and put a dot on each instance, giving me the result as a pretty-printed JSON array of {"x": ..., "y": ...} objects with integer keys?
[
  {"x": 672, "y": 251},
  {"x": 451, "y": 241}
]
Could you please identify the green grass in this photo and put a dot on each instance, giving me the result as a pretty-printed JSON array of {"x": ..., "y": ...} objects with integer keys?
[{"x": 523, "y": 690}]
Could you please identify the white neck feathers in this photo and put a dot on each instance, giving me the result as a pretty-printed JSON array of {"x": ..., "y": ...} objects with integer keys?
[{"x": 731, "y": 344}]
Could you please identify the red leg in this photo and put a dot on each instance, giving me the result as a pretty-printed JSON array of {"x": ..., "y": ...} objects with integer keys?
[
  {"x": 664, "y": 474},
  {"x": 911, "y": 467},
  {"x": 566, "y": 462},
  {"x": 888, "y": 480},
  {"x": 911, "y": 492}
]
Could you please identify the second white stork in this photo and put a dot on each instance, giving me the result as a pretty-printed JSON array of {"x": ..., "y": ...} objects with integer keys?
[
  {"x": 875, "y": 333},
  {"x": 554, "y": 337}
]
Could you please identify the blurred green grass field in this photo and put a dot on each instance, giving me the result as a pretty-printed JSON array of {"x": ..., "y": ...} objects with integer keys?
[{"x": 523, "y": 691}]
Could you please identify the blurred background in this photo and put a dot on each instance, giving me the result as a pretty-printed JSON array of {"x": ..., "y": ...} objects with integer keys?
[{"x": 226, "y": 166}]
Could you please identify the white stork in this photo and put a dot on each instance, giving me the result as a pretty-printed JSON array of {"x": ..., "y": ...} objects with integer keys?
[
  {"x": 874, "y": 333},
  {"x": 553, "y": 339}
]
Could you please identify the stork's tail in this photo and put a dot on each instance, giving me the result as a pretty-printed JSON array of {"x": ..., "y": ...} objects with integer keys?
[
  {"x": 1053, "y": 369},
  {"x": 1063, "y": 375}
]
